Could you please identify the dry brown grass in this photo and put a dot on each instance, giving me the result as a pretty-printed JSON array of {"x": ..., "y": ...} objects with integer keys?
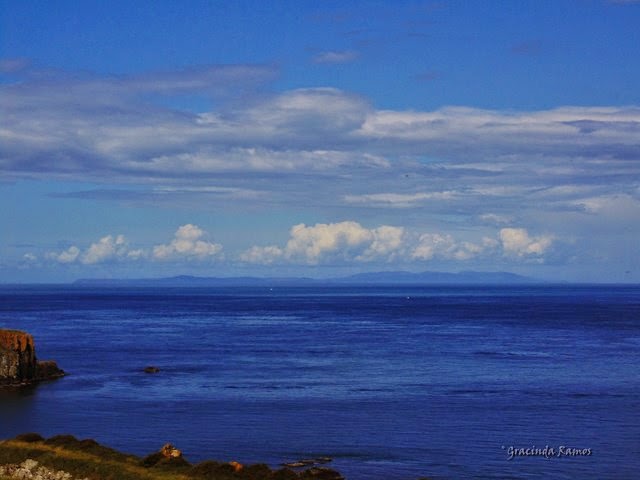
[
  {"x": 88, "y": 459},
  {"x": 82, "y": 463}
]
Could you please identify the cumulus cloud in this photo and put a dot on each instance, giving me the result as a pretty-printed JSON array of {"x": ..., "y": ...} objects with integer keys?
[
  {"x": 444, "y": 246},
  {"x": 387, "y": 243},
  {"x": 320, "y": 147},
  {"x": 106, "y": 249},
  {"x": 350, "y": 242},
  {"x": 262, "y": 255},
  {"x": 68, "y": 256},
  {"x": 347, "y": 241},
  {"x": 312, "y": 242},
  {"x": 188, "y": 243},
  {"x": 431, "y": 243},
  {"x": 517, "y": 242}
]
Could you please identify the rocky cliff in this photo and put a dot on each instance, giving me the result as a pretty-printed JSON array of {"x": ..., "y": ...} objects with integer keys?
[{"x": 18, "y": 362}]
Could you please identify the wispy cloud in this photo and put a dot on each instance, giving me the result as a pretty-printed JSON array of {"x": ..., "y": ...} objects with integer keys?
[
  {"x": 12, "y": 65},
  {"x": 399, "y": 200},
  {"x": 316, "y": 147},
  {"x": 91, "y": 127},
  {"x": 333, "y": 56}
]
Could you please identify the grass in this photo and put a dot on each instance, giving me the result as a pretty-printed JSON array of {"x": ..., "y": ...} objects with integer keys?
[
  {"x": 78, "y": 463},
  {"x": 86, "y": 458}
]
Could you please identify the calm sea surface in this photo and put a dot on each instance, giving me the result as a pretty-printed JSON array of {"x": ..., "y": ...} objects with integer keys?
[{"x": 392, "y": 383}]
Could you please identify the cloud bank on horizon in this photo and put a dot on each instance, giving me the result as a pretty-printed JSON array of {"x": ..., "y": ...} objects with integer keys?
[
  {"x": 346, "y": 241},
  {"x": 349, "y": 183}
]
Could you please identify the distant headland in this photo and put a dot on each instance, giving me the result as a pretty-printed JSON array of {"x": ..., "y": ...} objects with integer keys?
[{"x": 362, "y": 279}]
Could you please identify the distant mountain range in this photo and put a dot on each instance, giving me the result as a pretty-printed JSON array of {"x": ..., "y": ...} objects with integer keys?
[{"x": 371, "y": 278}]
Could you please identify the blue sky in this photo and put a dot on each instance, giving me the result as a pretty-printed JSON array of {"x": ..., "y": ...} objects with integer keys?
[{"x": 144, "y": 139}]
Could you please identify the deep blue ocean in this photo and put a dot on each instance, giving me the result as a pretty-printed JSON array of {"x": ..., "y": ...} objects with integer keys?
[{"x": 391, "y": 382}]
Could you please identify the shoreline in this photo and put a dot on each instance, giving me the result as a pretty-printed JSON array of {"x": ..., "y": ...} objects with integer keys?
[{"x": 65, "y": 457}]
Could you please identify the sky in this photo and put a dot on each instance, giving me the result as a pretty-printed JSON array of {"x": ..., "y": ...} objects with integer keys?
[{"x": 319, "y": 138}]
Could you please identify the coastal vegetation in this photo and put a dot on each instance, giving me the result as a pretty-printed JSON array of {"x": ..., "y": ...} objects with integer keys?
[{"x": 65, "y": 457}]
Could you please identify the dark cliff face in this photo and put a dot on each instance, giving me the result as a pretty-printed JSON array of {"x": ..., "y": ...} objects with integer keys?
[{"x": 18, "y": 362}]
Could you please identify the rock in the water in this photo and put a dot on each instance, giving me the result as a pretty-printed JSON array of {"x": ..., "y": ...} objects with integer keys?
[
  {"x": 18, "y": 362},
  {"x": 307, "y": 462},
  {"x": 47, "y": 370},
  {"x": 151, "y": 369},
  {"x": 321, "y": 473}
]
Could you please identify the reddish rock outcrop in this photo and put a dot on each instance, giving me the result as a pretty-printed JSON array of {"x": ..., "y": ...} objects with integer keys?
[
  {"x": 169, "y": 451},
  {"x": 18, "y": 362}
]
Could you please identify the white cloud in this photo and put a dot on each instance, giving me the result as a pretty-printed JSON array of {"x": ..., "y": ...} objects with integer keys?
[
  {"x": 29, "y": 257},
  {"x": 573, "y": 128},
  {"x": 311, "y": 243},
  {"x": 262, "y": 255},
  {"x": 188, "y": 243},
  {"x": 347, "y": 241},
  {"x": 517, "y": 242},
  {"x": 326, "y": 149},
  {"x": 495, "y": 219},
  {"x": 444, "y": 246},
  {"x": 79, "y": 136},
  {"x": 136, "y": 254},
  {"x": 387, "y": 243},
  {"x": 398, "y": 200},
  {"x": 345, "y": 56},
  {"x": 611, "y": 205},
  {"x": 68, "y": 256},
  {"x": 350, "y": 242},
  {"x": 255, "y": 160},
  {"x": 106, "y": 249},
  {"x": 357, "y": 154}
]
